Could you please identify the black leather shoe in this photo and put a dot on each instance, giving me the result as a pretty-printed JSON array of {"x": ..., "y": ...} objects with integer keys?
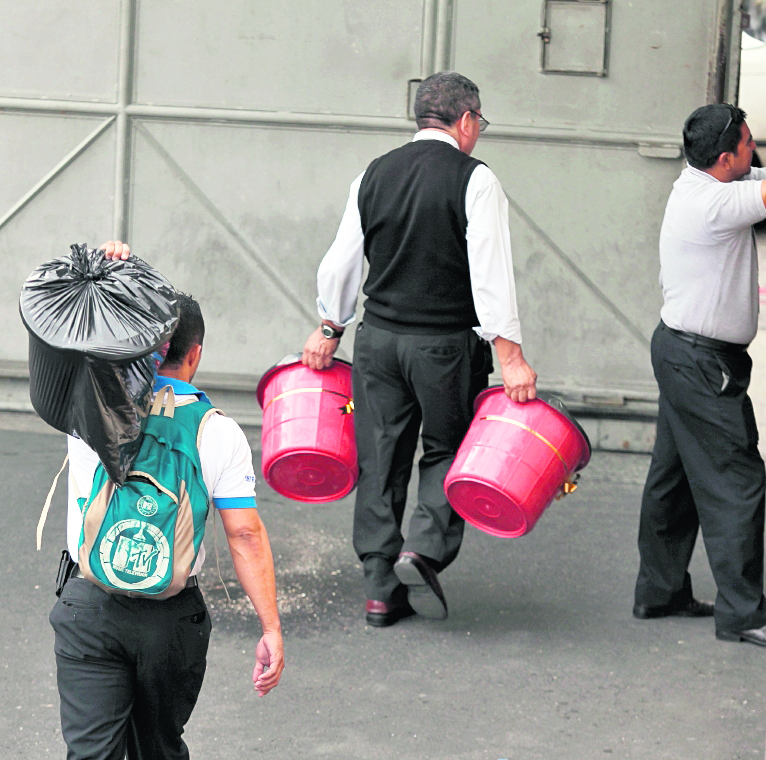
[
  {"x": 753, "y": 635},
  {"x": 424, "y": 592},
  {"x": 691, "y": 609},
  {"x": 381, "y": 614}
]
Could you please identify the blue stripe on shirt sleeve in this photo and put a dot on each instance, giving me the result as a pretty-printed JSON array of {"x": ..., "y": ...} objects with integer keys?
[{"x": 236, "y": 502}]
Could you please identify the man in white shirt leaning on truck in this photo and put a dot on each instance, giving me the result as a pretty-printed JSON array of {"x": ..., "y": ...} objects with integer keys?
[{"x": 706, "y": 472}]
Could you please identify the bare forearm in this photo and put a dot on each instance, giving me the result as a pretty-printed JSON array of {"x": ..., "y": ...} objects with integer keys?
[
  {"x": 254, "y": 566},
  {"x": 519, "y": 378}
]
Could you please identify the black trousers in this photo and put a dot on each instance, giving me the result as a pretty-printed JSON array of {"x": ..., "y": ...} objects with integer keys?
[
  {"x": 129, "y": 671},
  {"x": 402, "y": 383},
  {"x": 706, "y": 473}
]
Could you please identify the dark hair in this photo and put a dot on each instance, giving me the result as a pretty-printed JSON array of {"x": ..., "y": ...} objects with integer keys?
[
  {"x": 190, "y": 330},
  {"x": 443, "y": 98},
  {"x": 706, "y": 134}
]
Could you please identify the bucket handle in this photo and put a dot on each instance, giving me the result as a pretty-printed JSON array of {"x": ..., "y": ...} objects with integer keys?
[{"x": 347, "y": 408}]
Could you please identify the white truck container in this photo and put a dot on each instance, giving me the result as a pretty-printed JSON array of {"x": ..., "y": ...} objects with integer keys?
[{"x": 220, "y": 141}]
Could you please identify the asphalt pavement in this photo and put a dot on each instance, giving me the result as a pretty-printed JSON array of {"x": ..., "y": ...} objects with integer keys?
[{"x": 540, "y": 657}]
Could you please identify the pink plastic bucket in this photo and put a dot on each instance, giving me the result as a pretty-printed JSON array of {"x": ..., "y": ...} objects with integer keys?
[
  {"x": 513, "y": 461},
  {"x": 308, "y": 443}
]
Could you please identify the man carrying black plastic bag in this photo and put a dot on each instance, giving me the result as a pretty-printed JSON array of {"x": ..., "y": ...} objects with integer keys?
[
  {"x": 96, "y": 329},
  {"x": 129, "y": 668}
]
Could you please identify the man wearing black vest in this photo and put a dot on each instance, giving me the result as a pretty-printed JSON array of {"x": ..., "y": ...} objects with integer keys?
[{"x": 433, "y": 225}]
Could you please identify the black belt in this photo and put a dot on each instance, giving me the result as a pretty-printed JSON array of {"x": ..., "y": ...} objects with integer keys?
[
  {"x": 191, "y": 581},
  {"x": 711, "y": 343}
]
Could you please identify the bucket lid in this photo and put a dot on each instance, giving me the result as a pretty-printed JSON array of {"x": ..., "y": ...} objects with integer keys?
[
  {"x": 106, "y": 309},
  {"x": 287, "y": 361},
  {"x": 554, "y": 402}
]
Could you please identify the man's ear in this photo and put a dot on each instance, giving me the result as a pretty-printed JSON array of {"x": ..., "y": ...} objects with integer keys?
[
  {"x": 724, "y": 160},
  {"x": 194, "y": 355},
  {"x": 464, "y": 122}
]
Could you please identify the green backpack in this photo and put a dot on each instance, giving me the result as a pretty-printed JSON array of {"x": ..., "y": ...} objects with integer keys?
[{"x": 143, "y": 538}]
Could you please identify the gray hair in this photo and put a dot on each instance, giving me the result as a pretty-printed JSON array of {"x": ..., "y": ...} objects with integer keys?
[{"x": 443, "y": 98}]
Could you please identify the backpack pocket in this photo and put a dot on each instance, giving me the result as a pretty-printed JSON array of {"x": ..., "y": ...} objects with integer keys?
[{"x": 139, "y": 539}]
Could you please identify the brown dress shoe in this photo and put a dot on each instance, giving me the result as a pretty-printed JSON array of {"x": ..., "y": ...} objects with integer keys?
[{"x": 382, "y": 614}]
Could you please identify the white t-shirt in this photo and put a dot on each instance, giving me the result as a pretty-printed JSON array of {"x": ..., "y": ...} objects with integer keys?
[
  {"x": 227, "y": 469},
  {"x": 708, "y": 259}
]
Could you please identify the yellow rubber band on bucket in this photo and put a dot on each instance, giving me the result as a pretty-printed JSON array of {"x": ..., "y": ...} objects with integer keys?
[
  {"x": 348, "y": 407},
  {"x": 529, "y": 430}
]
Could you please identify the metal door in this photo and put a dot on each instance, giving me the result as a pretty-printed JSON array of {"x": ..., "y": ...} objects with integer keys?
[{"x": 220, "y": 141}]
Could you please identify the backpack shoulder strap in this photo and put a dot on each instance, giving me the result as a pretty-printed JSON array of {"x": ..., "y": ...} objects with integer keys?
[
  {"x": 47, "y": 505},
  {"x": 205, "y": 417},
  {"x": 164, "y": 404}
]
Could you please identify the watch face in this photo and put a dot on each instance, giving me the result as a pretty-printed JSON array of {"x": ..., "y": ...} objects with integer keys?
[{"x": 329, "y": 333}]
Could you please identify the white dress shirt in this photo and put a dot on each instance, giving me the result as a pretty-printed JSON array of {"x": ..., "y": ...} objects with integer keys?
[
  {"x": 489, "y": 256},
  {"x": 708, "y": 258}
]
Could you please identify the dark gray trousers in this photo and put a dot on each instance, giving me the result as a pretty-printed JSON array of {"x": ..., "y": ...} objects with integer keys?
[
  {"x": 402, "y": 383},
  {"x": 129, "y": 671},
  {"x": 706, "y": 473}
]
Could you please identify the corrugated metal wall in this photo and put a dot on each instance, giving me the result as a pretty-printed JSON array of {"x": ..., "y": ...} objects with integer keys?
[{"x": 220, "y": 140}]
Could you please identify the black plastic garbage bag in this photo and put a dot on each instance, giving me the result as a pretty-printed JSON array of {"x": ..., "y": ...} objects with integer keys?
[{"x": 97, "y": 330}]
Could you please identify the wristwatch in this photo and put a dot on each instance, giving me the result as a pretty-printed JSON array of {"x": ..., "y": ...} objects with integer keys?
[{"x": 330, "y": 332}]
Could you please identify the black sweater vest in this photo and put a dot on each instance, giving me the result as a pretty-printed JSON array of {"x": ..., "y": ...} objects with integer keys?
[{"x": 412, "y": 207}]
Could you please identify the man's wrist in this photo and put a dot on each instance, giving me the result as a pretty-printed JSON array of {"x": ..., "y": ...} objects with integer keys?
[
  {"x": 330, "y": 331},
  {"x": 508, "y": 351}
]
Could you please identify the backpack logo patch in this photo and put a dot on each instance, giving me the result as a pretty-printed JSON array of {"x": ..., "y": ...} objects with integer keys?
[
  {"x": 147, "y": 506},
  {"x": 134, "y": 554}
]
